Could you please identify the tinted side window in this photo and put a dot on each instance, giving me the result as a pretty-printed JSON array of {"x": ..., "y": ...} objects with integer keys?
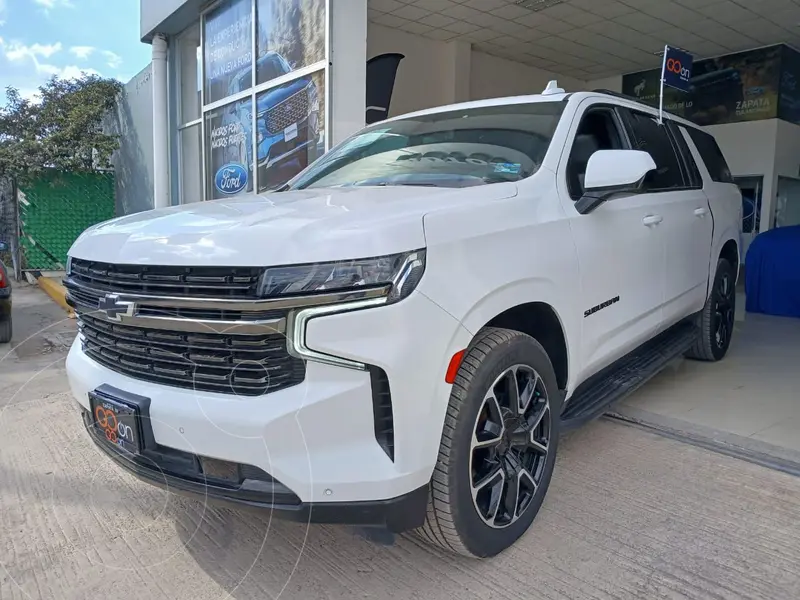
[
  {"x": 711, "y": 154},
  {"x": 598, "y": 130},
  {"x": 648, "y": 135},
  {"x": 690, "y": 166}
]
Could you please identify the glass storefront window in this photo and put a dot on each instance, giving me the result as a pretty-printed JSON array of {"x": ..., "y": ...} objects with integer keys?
[
  {"x": 190, "y": 75},
  {"x": 229, "y": 149},
  {"x": 290, "y": 129},
  {"x": 290, "y": 36},
  {"x": 191, "y": 139},
  {"x": 228, "y": 50},
  {"x": 283, "y": 84}
]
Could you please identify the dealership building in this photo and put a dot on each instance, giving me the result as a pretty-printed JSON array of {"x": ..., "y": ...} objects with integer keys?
[
  {"x": 246, "y": 92},
  {"x": 242, "y": 94}
]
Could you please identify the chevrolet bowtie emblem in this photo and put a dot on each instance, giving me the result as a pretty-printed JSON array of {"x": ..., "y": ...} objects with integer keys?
[{"x": 114, "y": 307}]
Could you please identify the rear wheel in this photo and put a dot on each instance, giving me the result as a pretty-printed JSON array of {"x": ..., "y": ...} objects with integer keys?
[
  {"x": 498, "y": 446},
  {"x": 716, "y": 320}
]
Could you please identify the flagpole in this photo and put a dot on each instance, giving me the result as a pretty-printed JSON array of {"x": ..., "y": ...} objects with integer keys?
[{"x": 661, "y": 95}]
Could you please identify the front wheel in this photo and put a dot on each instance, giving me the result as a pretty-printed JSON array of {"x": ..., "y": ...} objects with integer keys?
[
  {"x": 716, "y": 320},
  {"x": 498, "y": 446}
]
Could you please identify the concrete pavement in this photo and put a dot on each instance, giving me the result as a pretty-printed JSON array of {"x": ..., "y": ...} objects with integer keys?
[{"x": 629, "y": 515}]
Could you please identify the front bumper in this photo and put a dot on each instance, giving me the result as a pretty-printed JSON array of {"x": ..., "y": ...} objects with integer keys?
[
  {"x": 399, "y": 514},
  {"x": 318, "y": 438}
]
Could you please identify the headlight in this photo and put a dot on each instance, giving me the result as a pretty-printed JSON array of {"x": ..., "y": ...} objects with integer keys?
[{"x": 400, "y": 271}]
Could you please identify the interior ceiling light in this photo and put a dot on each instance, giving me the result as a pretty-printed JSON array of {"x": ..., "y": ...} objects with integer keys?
[{"x": 537, "y": 5}]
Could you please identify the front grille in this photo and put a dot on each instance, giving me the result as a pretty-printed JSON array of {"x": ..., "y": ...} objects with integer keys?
[
  {"x": 245, "y": 365},
  {"x": 185, "y": 282},
  {"x": 292, "y": 110}
]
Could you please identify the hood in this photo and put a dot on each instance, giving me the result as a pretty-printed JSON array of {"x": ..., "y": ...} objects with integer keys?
[{"x": 278, "y": 229}]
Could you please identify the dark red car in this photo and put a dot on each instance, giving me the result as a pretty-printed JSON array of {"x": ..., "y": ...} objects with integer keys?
[{"x": 5, "y": 302}]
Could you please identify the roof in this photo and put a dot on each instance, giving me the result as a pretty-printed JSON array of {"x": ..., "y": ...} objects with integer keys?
[{"x": 617, "y": 98}]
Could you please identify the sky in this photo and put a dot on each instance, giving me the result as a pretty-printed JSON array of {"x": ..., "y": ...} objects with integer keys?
[{"x": 41, "y": 38}]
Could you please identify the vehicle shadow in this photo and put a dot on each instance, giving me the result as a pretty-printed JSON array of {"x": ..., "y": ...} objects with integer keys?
[{"x": 251, "y": 555}]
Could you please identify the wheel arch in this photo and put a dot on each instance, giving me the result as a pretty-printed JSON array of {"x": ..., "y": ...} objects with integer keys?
[
  {"x": 730, "y": 252},
  {"x": 542, "y": 322},
  {"x": 726, "y": 246}
]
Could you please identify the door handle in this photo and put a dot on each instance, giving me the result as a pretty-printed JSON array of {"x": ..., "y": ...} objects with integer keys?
[
  {"x": 651, "y": 220},
  {"x": 700, "y": 212}
]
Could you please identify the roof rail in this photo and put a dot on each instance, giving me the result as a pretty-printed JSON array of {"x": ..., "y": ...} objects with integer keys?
[
  {"x": 616, "y": 94},
  {"x": 632, "y": 99}
]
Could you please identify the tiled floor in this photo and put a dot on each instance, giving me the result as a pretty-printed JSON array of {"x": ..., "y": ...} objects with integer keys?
[{"x": 753, "y": 393}]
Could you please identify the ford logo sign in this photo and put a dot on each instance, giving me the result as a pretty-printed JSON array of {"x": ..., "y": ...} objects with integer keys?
[{"x": 231, "y": 178}]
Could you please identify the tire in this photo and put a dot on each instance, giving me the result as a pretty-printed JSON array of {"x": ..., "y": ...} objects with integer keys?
[
  {"x": 456, "y": 520},
  {"x": 5, "y": 331},
  {"x": 716, "y": 320}
]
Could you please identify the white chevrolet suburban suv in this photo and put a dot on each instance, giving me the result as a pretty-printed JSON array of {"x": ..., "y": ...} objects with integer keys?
[{"x": 398, "y": 337}]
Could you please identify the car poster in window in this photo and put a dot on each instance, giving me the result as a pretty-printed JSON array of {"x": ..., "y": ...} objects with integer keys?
[
  {"x": 229, "y": 150},
  {"x": 228, "y": 51},
  {"x": 290, "y": 129},
  {"x": 290, "y": 35}
]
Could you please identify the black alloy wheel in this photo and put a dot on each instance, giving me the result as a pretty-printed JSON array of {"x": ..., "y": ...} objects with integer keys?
[
  {"x": 509, "y": 446},
  {"x": 715, "y": 322},
  {"x": 498, "y": 447}
]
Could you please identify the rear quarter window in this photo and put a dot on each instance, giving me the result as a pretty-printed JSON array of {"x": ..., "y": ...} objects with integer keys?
[{"x": 712, "y": 155}]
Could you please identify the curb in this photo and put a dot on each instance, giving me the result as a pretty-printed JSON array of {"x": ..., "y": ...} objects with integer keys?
[{"x": 56, "y": 291}]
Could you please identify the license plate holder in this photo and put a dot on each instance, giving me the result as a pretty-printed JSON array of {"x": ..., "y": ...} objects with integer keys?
[{"x": 116, "y": 422}]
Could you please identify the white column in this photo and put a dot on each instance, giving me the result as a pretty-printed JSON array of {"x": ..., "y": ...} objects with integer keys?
[
  {"x": 459, "y": 63},
  {"x": 348, "y": 71},
  {"x": 161, "y": 185}
]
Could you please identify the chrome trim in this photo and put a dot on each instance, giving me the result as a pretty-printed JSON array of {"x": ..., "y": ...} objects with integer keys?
[
  {"x": 237, "y": 304},
  {"x": 241, "y": 327},
  {"x": 296, "y": 333},
  {"x": 193, "y": 325},
  {"x": 412, "y": 262}
]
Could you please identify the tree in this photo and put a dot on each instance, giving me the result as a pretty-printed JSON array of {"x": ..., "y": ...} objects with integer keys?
[{"x": 62, "y": 129}]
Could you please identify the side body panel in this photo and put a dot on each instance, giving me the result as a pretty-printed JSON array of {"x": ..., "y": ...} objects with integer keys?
[{"x": 725, "y": 201}]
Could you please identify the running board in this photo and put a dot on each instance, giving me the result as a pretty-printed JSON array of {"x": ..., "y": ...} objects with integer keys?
[{"x": 594, "y": 396}]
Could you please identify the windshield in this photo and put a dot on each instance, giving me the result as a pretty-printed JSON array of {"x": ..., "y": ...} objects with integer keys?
[{"x": 460, "y": 148}]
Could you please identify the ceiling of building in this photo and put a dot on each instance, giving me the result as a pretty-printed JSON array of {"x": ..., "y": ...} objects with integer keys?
[{"x": 591, "y": 39}]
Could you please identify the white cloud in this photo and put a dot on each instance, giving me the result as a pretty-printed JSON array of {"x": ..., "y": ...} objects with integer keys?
[
  {"x": 113, "y": 60},
  {"x": 17, "y": 52},
  {"x": 50, "y": 4},
  {"x": 26, "y": 67},
  {"x": 82, "y": 52}
]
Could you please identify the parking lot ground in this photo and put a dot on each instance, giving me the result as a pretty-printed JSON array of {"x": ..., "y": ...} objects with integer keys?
[{"x": 629, "y": 515}]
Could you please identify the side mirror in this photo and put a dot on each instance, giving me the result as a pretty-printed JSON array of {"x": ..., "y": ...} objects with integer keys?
[{"x": 611, "y": 172}]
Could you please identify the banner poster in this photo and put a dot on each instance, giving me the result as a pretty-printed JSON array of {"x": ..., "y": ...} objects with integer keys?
[
  {"x": 789, "y": 108},
  {"x": 289, "y": 128},
  {"x": 738, "y": 87},
  {"x": 227, "y": 50},
  {"x": 229, "y": 149}
]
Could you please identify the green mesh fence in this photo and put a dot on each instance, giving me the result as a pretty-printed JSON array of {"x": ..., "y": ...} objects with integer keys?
[{"x": 55, "y": 209}]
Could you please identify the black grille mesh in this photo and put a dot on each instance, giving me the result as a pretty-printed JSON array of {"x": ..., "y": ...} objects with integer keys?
[{"x": 245, "y": 365}]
